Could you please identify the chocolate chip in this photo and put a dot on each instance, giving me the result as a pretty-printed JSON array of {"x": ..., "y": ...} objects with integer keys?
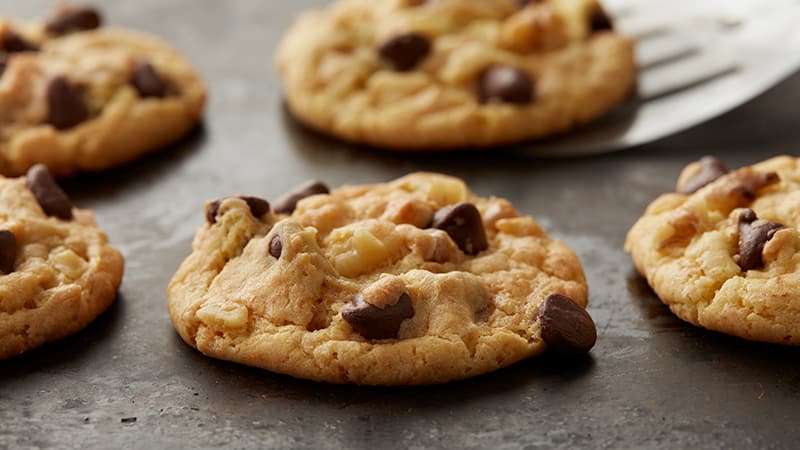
[
  {"x": 711, "y": 168},
  {"x": 376, "y": 323},
  {"x": 462, "y": 222},
  {"x": 3, "y": 64},
  {"x": 258, "y": 207},
  {"x": 505, "y": 84},
  {"x": 48, "y": 193},
  {"x": 403, "y": 52},
  {"x": 524, "y": 3},
  {"x": 566, "y": 327},
  {"x": 65, "y": 103},
  {"x": 599, "y": 20},
  {"x": 275, "y": 247},
  {"x": 753, "y": 235},
  {"x": 211, "y": 211},
  {"x": 14, "y": 43},
  {"x": 148, "y": 82},
  {"x": 71, "y": 19},
  {"x": 287, "y": 203},
  {"x": 8, "y": 251}
]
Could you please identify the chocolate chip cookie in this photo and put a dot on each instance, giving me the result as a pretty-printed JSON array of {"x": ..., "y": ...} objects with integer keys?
[
  {"x": 723, "y": 251},
  {"x": 415, "y": 281},
  {"x": 448, "y": 74},
  {"x": 78, "y": 97},
  {"x": 57, "y": 270}
]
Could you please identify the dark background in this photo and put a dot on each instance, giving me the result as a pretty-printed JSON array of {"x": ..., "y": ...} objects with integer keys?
[{"x": 651, "y": 381}]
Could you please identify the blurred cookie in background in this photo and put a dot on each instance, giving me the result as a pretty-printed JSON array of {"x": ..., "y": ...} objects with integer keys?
[
  {"x": 77, "y": 96},
  {"x": 449, "y": 74}
]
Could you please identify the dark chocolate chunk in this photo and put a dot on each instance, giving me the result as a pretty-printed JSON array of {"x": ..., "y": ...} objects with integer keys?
[
  {"x": 53, "y": 200},
  {"x": 275, "y": 247},
  {"x": 404, "y": 52},
  {"x": 711, "y": 168},
  {"x": 505, "y": 84},
  {"x": 258, "y": 207},
  {"x": 71, "y": 19},
  {"x": 148, "y": 82},
  {"x": 462, "y": 222},
  {"x": 14, "y": 43},
  {"x": 599, "y": 20},
  {"x": 8, "y": 251},
  {"x": 287, "y": 203},
  {"x": 523, "y": 3},
  {"x": 65, "y": 103},
  {"x": 376, "y": 323},
  {"x": 566, "y": 327},
  {"x": 3, "y": 64},
  {"x": 212, "y": 209},
  {"x": 753, "y": 235}
]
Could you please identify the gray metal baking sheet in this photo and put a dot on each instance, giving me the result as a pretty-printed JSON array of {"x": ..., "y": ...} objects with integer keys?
[{"x": 129, "y": 381}]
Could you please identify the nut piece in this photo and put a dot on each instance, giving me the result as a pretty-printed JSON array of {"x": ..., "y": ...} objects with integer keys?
[
  {"x": 498, "y": 210},
  {"x": 438, "y": 247},
  {"x": 520, "y": 226},
  {"x": 748, "y": 182},
  {"x": 367, "y": 252},
  {"x": 413, "y": 212},
  {"x": 535, "y": 28},
  {"x": 444, "y": 191},
  {"x": 740, "y": 188},
  {"x": 380, "y": 309},
  {"x": 69, "y": 263},
  {"x": 685, "y": 225},
  {"x": 231, "y": 315}
]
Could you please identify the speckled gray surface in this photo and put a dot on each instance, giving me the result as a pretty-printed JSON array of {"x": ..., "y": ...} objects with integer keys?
[{"x": 651, "y": 382}]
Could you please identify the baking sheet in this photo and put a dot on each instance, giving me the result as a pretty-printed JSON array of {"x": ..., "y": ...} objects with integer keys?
[{"x": 128, "y": 380}]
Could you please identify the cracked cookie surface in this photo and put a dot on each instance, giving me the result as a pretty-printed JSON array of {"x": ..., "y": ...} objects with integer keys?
[
  {"x": 722, "y": 252},
  {"x": 78, "y": 97},
  {"x": 57, "y": 270},
  {"x": 445, "y": 74},
  {"x": 415, "y": 281}
]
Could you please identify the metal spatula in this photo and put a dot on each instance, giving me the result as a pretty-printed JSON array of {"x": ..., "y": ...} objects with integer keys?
[{"x": 697, "y": 59}]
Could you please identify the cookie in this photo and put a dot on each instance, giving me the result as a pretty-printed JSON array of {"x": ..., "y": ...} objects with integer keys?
[
  {"x": 78, "y": 97},
  {"x": 415, "y": 281},
  {"x": 57, "y": 270},
  {"x": 449, "y": 74},
  {"x": 723, "y": 251}
]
